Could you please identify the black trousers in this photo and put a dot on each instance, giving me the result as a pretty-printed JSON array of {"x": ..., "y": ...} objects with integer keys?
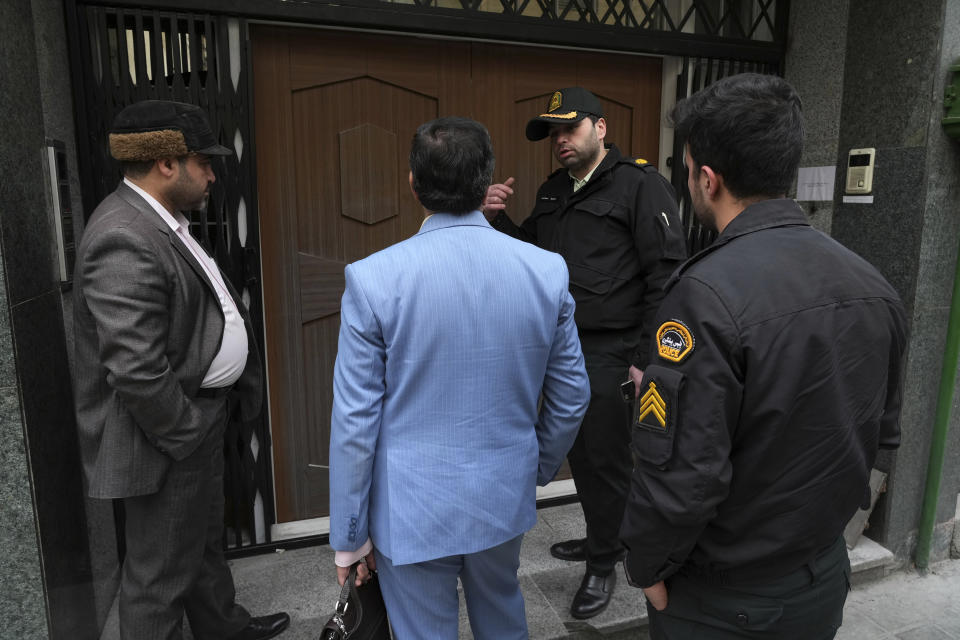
[
  {"x": 600, "y": 457},
  {"x": 174, "y": 562},
  {"x": 804, "y": 605}
]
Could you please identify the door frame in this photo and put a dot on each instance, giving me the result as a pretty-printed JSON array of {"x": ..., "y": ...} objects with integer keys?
[{"x": 661, "y": 38}]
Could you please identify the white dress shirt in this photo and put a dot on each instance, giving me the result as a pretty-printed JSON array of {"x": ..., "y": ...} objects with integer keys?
[{"x": 230, "y": 360}]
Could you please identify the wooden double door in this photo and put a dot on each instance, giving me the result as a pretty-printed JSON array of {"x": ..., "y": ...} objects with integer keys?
[{"x": 335, "y": 112}]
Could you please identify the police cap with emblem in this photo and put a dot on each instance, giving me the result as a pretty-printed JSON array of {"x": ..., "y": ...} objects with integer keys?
[
  {"x": 154, "y": 129},
  {"x": 569, "y": 105}
]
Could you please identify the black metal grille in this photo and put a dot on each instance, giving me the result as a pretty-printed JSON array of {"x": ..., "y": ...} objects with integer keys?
[
  {"x": 737, "y": 19},
  {"x": 131, "y": 55},
  {"x": 737, "y": 29},
  {"x": 695, "y": 74}
]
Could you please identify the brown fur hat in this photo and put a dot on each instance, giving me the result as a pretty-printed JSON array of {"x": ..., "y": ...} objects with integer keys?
[{"x": 154, "y": 129}]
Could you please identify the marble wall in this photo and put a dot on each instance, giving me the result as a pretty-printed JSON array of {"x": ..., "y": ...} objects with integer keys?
[
  {"x": 936, "y": 260},
  {"x": 814, "y": 66},
  {"x": 23, "y": 606},
  {"x": 894, "y": 76},
  {"x": 41, "y": 487}
]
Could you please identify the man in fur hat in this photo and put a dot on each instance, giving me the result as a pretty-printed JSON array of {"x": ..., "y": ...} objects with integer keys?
[{"x": 164, "y": 346}]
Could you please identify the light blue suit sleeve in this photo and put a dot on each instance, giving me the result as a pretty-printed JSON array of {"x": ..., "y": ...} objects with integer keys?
[
  {"x": 566, "y": 393},
  {"x": 358, "y": 389}
]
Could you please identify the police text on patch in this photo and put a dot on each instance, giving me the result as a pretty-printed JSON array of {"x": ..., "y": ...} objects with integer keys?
[{"x": 674, "y": 341}]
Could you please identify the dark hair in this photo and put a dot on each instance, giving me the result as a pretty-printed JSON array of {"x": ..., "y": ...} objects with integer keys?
[
  {"x": 136, "y": 168},
  {"x": 452, "y": 164},
  {"x": 747, "y": 128}
]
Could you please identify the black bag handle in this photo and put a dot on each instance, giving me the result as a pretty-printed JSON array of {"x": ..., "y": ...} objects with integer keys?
[{"x": 348, "y": 593}]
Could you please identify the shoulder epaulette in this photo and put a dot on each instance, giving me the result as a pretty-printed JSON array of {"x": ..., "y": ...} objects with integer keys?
[{"x": 639, "y": 163}]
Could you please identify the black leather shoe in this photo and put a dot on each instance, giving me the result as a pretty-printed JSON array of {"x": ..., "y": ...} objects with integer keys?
[
  {"x": 263, "y": 627},
  {"x": 593, "y": 596},
  {"x": 573, "y": 550}
]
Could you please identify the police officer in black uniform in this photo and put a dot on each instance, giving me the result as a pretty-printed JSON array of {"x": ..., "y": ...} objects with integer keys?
[
  {"x": 614, "y": 219},
  {"x": 774, "y": 379}
]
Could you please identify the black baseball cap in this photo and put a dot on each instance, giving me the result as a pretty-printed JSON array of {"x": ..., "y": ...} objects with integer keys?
[
  {"x": 572, "y": 104},
  {"x": 153, "y": 129}
]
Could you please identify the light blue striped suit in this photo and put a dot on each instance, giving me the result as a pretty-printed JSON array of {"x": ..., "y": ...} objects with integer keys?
[{"x": 437, "y": 439}]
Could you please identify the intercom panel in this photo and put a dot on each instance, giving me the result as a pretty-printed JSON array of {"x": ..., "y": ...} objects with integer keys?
[{"x": 860, "y": 170}]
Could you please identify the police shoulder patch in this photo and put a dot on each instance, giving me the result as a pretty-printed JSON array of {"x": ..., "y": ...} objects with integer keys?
[{"x": 674, "y": 341}]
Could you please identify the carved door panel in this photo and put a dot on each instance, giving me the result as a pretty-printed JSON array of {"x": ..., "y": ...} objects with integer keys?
[
  {"x": 335, "y": 112},
  {"x": 334, "y": 115}
]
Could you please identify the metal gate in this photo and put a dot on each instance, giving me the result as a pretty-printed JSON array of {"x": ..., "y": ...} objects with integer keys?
[{"x": 695, "y": 74}]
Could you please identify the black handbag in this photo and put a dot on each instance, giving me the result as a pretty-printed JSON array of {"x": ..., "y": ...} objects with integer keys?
[{"x": 360, "y": 613}]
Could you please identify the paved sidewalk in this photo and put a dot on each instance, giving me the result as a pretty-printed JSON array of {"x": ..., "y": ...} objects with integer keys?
[
  {"x": 901, "y": 606},
  {"x": 906, "y": 606}
]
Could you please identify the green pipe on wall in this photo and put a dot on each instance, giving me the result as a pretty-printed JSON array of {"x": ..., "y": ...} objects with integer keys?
[
  {"x": 948, "y": 370},
  {"x": 941, "y": 424}
]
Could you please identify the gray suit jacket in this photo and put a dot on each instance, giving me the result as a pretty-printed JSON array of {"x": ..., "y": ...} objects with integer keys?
[{"x": 147, "y": 326}]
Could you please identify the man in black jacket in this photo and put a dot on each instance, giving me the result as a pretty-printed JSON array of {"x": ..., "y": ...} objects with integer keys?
[
  {"x": 614, "y": 219},
  {"x": 774, "y": 379}
]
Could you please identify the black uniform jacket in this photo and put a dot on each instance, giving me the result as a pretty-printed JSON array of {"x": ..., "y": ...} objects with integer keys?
[
  {"x": 774, "y": 377},
  {"x": 620, "y": 234}
]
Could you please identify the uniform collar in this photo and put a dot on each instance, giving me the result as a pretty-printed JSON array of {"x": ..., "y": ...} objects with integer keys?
[
  {"x": 611, "y": 158},
  {"x": 442, "y": 220},
  {"x": 599, "y": 172},
  {"x": 586, "y": 178},
  {"x": 766, "y": 214}
]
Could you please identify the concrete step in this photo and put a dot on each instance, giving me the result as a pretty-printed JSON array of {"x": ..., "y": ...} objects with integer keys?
[{"x": 869, "y": 561}]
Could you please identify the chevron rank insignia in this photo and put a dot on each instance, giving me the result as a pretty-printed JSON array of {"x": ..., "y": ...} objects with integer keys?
[
  {"x": 674, "y": 341},
  {"x": 653, "y": 409}
]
